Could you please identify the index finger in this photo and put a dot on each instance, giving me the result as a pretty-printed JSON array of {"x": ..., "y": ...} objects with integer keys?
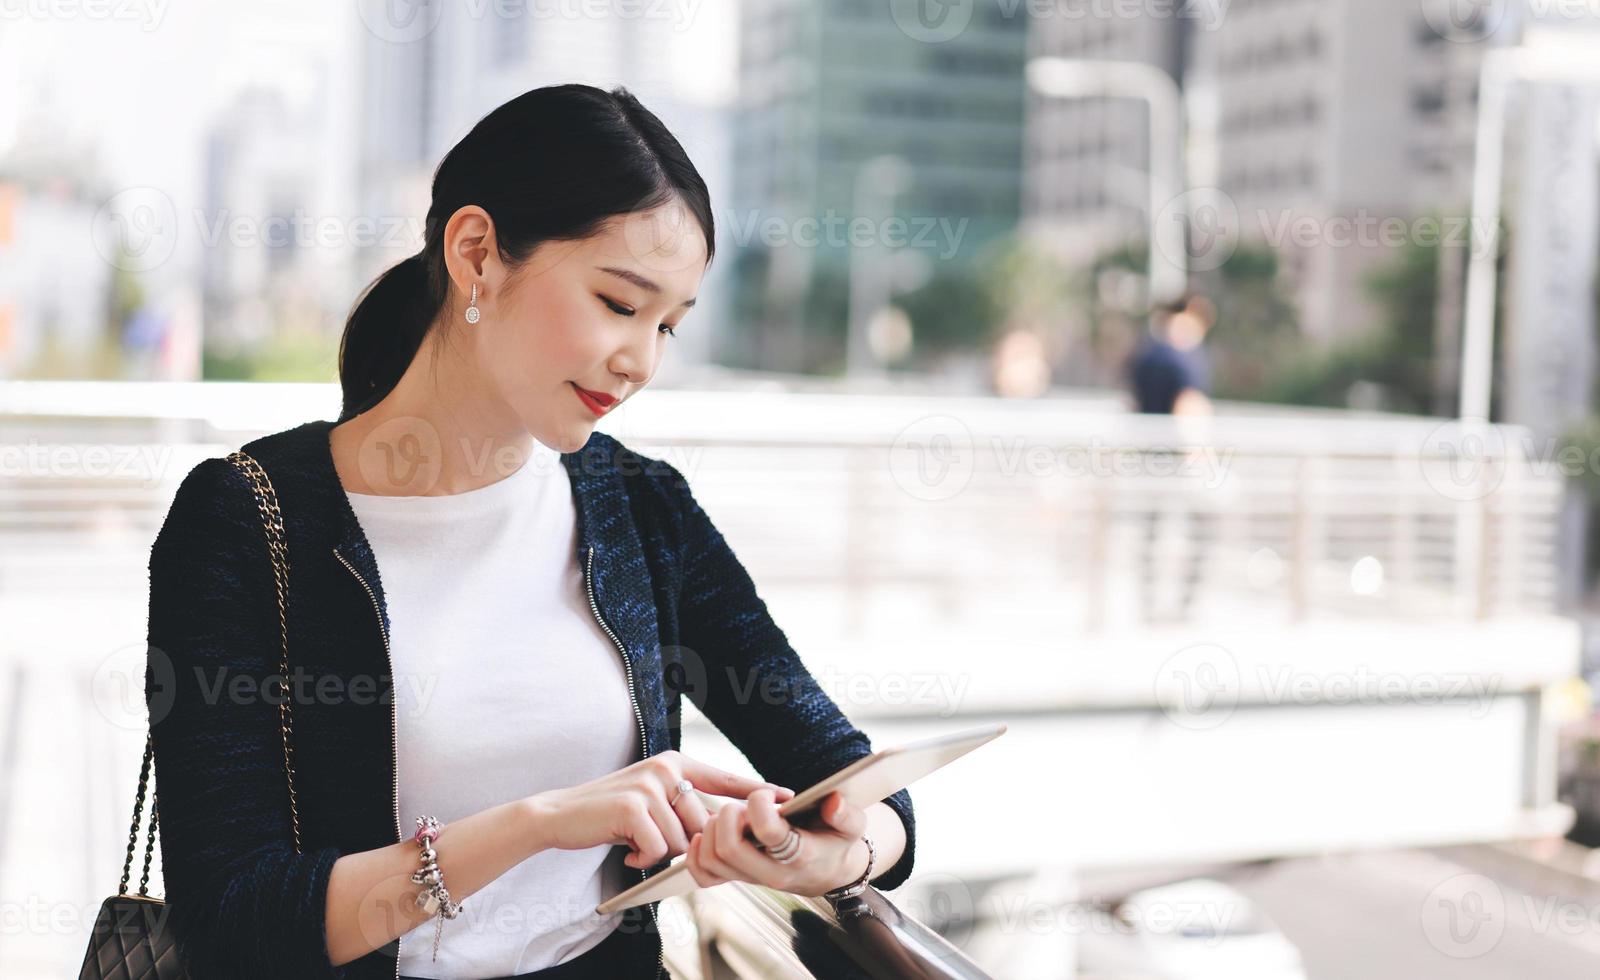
[{"x": 710, "y": 779}]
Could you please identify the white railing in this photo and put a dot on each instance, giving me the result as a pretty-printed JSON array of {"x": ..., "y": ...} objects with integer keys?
[{"x": 1299, "y": 515}]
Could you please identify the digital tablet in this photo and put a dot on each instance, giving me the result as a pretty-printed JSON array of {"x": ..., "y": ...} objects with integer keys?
[{"x": 863, "y": 782}]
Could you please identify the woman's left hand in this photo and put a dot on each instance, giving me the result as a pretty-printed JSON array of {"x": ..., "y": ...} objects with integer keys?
[{"x": 830, "y": 857}]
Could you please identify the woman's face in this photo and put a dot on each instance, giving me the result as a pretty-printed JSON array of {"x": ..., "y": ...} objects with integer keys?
[{"x": 591, "y": 314}]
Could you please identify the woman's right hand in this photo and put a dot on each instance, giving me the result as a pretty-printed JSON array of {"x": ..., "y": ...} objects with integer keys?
[{"x": 630, "y": 807}]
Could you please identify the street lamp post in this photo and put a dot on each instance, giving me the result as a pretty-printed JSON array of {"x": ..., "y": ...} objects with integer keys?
[
  {"x": 879, "y": 180},
  {"x": 1555, "y": 60},
  {"x": 1076, "y": 78},
  {"x": 1548, "y": 62}
]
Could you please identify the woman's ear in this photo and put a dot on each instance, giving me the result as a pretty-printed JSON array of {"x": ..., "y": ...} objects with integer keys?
[{"x": 471, "y": 251}]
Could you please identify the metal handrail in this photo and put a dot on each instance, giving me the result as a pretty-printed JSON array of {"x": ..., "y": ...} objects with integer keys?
[{"x": 741, "y": 930}]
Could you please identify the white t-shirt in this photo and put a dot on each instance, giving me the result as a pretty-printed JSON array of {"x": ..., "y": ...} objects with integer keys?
[{"x": 505, "y": 686}]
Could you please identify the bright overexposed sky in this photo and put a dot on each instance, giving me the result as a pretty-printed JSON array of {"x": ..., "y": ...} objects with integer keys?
[{"x": 134, "y": 85}]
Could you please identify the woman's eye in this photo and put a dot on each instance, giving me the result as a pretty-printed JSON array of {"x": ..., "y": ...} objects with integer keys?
[{"x": 621, "y": 310}]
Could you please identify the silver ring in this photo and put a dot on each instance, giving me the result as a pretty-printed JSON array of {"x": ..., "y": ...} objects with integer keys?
[
  {"x": 787, "y": 851},
  {"x": 684, "y": 786}
]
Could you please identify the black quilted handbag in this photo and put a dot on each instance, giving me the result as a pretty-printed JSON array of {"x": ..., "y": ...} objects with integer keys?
[{"x": 131, "y": 940}]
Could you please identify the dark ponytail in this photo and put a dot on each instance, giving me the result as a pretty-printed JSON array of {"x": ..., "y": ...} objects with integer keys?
[{"x": 552, "y": 164}]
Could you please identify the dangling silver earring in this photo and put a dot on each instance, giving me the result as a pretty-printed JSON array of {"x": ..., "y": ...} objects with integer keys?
[{"x": 472, "y": 306}]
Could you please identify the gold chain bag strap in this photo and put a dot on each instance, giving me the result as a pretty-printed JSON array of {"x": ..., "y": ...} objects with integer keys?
[{"x": 131, "y": 940}]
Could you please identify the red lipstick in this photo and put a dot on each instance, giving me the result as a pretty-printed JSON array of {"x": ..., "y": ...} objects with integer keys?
[{"x": 598, "y": 402}]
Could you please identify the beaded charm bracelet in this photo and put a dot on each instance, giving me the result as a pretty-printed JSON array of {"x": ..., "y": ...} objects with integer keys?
[{"x": 435, "y": 897}]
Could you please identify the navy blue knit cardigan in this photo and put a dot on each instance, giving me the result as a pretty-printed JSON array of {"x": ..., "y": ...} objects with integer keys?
[{"x": 242, "y": 901}]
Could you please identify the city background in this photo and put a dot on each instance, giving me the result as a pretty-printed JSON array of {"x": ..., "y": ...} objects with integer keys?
[{"x": 1297, "y": 686}]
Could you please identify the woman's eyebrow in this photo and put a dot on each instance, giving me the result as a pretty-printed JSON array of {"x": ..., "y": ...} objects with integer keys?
[{"x": 640, "y": 281}]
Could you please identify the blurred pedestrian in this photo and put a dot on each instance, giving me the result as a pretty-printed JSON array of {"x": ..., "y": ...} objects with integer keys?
[{"x": 1170, "y": 374}]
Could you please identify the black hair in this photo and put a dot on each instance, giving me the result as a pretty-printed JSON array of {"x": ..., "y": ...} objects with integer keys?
[{"x": 553, "y": 164}]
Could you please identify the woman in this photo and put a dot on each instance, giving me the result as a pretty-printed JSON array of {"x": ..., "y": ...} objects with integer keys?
[{"x": 505, "y": 697}]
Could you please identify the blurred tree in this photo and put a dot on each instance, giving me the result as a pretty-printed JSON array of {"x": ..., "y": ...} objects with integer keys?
[
  {"x": 803, "y": 333},
  {"x": 957, "y": 311},
  {"x": 1393, "y": 358},
  {"x": 1030, "y": 288},
  {"x": 1258, "y": 328},
  {"x": 1117, "y": 323},
  {"x": 124, "y": 298},
  {"x": 741, "y": 346},
  {"x": 827, "y": 317},
  {"x": 289, "y": 355},
  {"x": 103, "y": 357}
]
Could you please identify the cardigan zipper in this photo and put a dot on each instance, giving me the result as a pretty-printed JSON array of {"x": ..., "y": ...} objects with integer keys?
[
  {"x": 588, "y": 578},
  {"x": 394, "y": 739},
  {"x": 644, "y": 745}
]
